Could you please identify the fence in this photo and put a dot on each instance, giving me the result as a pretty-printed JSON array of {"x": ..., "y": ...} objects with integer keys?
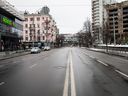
[{"x": 117, "y": 48}]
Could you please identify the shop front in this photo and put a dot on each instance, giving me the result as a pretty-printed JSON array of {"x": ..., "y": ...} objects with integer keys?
[{"x": 10, "y": 34}]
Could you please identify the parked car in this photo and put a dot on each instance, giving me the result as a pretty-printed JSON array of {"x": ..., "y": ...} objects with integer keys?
[
  {"x": 46, "y": 48},
  {"x": 35, "y": 50}
]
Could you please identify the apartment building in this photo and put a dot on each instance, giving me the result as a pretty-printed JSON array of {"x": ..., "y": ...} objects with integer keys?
[
  {"x": 97, "y": 18},
  {"x": 39, "y": 27},
  {"x": 117, "y": 19}
]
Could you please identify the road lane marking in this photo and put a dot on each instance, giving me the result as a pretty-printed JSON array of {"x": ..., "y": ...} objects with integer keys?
[
  {"x": 73, "y": 86},
  {"x": 2, "y": 83},
  {"x": 66, "y": 84},
  {"x": 33, "y": 65},
  {"x": 121, "y": 73},
  {"x": 96, "y": 59},
  {"x": 102, "y": 63},
  {"x": 69, "y": 79},
  {"x": 89, "y": 55}
]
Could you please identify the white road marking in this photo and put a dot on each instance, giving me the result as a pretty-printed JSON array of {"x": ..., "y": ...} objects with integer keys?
[
  {"x": 121, "y": 73},
  {"x": 66, "y": 86},
  {"x": 102, "y": 63},
  {"x": 89, "y": 55},
  {"x": 2, "y": 83},
  {"x": 97, "y": 60},
  {"x": 73, "y": 86},
  {"x": 33, "y": 65},
  {"x": 71, "y": 71}
]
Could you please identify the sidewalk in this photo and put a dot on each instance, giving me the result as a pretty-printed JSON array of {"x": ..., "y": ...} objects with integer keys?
[
  {"x": 111, "y": 52},
  {"x": 11, "y": 54}
]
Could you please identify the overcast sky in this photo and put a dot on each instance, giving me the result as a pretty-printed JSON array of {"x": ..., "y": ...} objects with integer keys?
[{"x": 68, "y": 14}]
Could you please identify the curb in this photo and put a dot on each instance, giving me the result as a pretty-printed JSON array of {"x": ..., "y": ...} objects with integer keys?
[{"x": 18, "y": 55}]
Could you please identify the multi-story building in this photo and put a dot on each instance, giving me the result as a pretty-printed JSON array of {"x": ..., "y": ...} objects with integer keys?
[
  {"x": 117, "y": 19},
  {"x": 39, "y": 28},
  {"x": 11, "y": 27},
  {"x": 97, "y": 18}
]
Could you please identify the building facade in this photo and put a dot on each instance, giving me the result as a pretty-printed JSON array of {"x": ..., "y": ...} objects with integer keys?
[
  {"x": 11, "y": 27},
  {"x": 39, "y": 28},
  {"x": 97, "y": 18},
  {"x": 117, "y": 19}
]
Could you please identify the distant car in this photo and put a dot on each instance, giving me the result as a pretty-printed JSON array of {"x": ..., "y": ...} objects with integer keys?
[
  {"x": 35, "y": 50},
  {"x": 46, "y": 48}
]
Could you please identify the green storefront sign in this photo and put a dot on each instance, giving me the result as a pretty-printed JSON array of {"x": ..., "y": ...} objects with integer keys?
[{"x": 7, "y": 21}]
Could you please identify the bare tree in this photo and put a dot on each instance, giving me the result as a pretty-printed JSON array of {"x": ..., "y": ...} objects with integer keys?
[
  {"x": 85, "y": 35},
  {"x": 88, "y": 32}
]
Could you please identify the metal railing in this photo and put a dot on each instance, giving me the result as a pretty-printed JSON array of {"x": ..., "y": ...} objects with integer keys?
[{"x": 113, "y": 48}]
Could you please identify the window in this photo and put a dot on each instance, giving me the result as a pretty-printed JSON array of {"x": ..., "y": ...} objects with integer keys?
[
  {"x": 38, "y": 25},
  {"x": 26, "y": 38},
  {"x": 43, "y": 18},
  {"x": 38, "y": 18},
  {"x": 43, "y": 37},
  {"x": 26, "y": 32},
  {"x": 32, "y": 25},
  {"x": 26, "y": 19},
  {"x": 26, "y": 25},
  {"x": 39, "y": 38},
  {"x": 34, "y": 32},
  {"x": 38, "y": 32},
  {"x": 30, "y": 38},
  {"x": 31, "y": 19}
]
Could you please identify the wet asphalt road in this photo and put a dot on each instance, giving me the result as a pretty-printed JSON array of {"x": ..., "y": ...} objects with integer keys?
[{"x": 44, "y": 74}]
